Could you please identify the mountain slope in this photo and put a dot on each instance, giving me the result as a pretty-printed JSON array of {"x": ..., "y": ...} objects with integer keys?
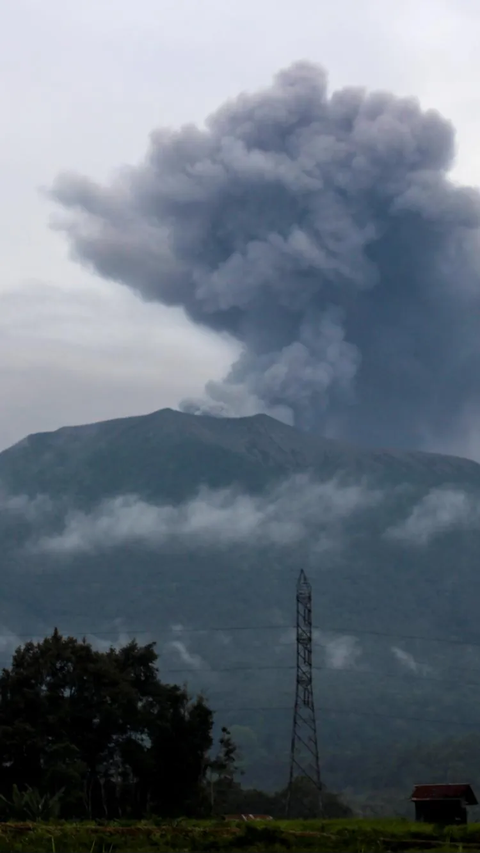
[
  {"x": 169, "y": 454},
  {"x": 191, "y": 531}
]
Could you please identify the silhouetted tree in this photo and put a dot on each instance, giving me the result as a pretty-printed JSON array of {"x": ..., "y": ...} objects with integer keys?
[
  {"x": 103, "y": 727},
  {"x": 222, "y": 770}
]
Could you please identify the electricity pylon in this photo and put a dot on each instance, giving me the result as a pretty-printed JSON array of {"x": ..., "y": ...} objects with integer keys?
[{"x": 304, "y": 756}]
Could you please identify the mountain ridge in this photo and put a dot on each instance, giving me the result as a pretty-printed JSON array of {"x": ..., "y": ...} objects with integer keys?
[{"x": 259, "y": 440}]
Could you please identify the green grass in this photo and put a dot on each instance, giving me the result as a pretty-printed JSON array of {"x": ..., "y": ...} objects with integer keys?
[{"x": 334, "y": 836}]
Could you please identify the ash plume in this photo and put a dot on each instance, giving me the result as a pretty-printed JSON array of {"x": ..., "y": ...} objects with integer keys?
[{"x": 322, "y": 232}]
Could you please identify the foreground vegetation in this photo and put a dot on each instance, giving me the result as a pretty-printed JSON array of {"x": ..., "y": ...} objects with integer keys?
[
  {"x": 96, "y": 735},
  {"x": 93, "y": 743},
  {"x": 347, "y": 836}
]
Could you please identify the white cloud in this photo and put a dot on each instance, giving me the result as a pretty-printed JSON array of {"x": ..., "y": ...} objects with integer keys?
[
  {"x": 340, "y": 652},
  {"x": 179, "y": 646},
  {"x": 224, "y": 517},
  {"x": 408, "y": 661},
  {"x": 438, "y": 512},
  {"x": 190, "y": 659},
  {"x": 22, "y": 505}
]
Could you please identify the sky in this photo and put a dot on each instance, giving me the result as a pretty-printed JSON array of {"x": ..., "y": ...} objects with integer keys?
[{"x": 82, "y": 86}]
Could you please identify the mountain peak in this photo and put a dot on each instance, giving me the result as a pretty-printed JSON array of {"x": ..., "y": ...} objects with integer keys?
[{"x": 169, "y": 454}]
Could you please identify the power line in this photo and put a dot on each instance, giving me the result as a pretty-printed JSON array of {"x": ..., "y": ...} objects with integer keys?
[
  {"x": 350, "y": 631},
  {"x": 248, "y": 668},
  {"x": 347, "y": 711},
  {"x": 345, "y": 670},
  {"x": 222, "y": 629},
  {"x": 227, "y": 629},
  {"x": 253, "y": 668},
  {"x": 153, "y": 631},
  {"x": 395, "y": 634},
  {"x": 352, "y": 712}
]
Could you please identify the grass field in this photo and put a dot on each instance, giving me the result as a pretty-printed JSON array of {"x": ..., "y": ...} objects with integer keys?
[{"x": 345, "y": 836}]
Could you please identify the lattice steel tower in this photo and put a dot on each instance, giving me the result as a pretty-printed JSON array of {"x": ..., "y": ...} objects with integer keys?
[{"x": 304, "y": 757}]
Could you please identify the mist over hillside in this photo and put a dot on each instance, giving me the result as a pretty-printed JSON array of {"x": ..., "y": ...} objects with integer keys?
[{"x": 191, "y": 530}]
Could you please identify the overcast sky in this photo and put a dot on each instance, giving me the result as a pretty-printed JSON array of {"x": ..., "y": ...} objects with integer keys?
[{"x": 81, "y": 87}]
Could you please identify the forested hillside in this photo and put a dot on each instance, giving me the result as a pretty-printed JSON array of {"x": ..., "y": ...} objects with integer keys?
[{"x": 190, "y": 531}]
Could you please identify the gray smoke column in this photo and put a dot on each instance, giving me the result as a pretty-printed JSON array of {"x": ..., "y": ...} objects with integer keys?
[{"x": 324, "y": 234}]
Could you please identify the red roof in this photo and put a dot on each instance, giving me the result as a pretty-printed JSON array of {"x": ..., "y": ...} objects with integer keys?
[{"x": 459, "y": 791}]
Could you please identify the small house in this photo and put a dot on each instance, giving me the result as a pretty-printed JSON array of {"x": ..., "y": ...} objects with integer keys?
[{"x": 443, "y": 804}]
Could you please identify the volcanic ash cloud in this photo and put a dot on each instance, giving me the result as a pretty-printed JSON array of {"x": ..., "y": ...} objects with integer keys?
[{"x": 322, "y": 232}]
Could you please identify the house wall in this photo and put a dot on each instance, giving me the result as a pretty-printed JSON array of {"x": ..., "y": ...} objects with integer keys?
[{"x": 444, "y": 812}]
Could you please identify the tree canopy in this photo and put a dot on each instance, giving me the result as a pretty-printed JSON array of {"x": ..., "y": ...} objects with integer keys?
[
  {"x": 97, "y": 734},
  {"x": 103, "y": 728}
]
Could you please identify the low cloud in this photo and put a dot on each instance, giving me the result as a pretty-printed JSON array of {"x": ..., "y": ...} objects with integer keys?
[
  {"x": 23, "y": 506},
  {"x": 340, "y": 652},
  {"x": 181, "y": 652},
  {"x": 188, "y": 658},
  {"x": 438, "y": 512},
  {"x": 408, "y": 661},
  {"x": 283, "y": 516}
]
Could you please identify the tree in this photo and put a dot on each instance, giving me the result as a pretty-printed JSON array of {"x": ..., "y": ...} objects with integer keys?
[
  {"x": 222, "y": 771},
  {"x": 103, "y": 727}
]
